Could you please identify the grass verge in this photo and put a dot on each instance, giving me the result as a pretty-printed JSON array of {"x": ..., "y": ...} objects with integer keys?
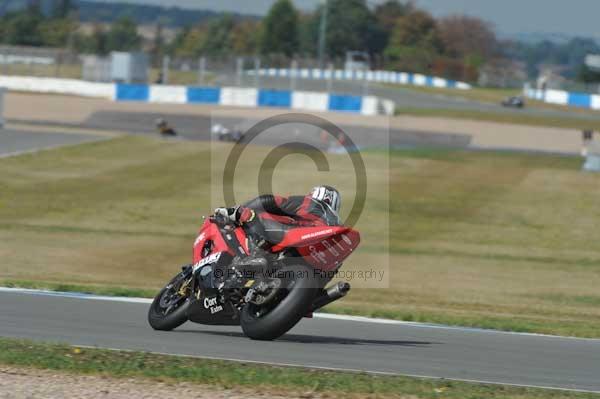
[
  {"x": 127, "y": 292},
  {"x": 487, "y": 95},
  {"x": 65, "y": 358},
  {"x": 511, "y": 118},
  {"x": 495, "y": 96}
]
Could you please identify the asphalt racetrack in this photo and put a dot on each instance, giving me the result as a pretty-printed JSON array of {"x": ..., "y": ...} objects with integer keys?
[
  {"x": 321, "y": 342},
  {"x": 14, "y": 142},
  {"x": 198, "y": 127}
]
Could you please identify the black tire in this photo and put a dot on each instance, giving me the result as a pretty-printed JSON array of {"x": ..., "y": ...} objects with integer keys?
[
  {"x": 287, "y": 313},
  {"x": 166, "y": 322}
]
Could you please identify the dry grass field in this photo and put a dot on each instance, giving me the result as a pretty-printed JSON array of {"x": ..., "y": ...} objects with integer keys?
[{"x": 490, "y": 239}]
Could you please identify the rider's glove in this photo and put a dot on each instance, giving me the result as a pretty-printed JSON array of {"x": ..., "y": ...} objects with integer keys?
[{"x": 239, "y": 214}]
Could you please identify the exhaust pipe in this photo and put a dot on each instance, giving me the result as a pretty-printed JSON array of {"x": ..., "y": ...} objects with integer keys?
[{"x": 333, "y": 293}]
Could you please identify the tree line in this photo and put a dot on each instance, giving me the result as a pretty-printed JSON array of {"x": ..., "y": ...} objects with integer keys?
[
  {"x": 395, "y": 34},
  {"x": 59, "y": 27}
]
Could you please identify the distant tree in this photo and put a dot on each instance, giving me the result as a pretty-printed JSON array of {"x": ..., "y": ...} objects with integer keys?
[
  {"x": 280, "y": 30},
  {"x": 415, "y": 43},
  {"x": 417, "y": 29},
  {"x": 570, "y": 54},
  {"x": 34, "y": 7},
  {"x": 388, "y": 13},
  {"x": 573, "y": 54},
  {"x": 22, "y": 28},
  {"x": 351, "y": 26},
  {"x": 56, "y": 32},
  {"x": 245, "y": 37},
  {"x": 189, "y": 42},
  {"x": 123, "y": 36},
  {"x": 158, "y": 45},
  {"x": 587, "y": 75},
  {"x": 94, "y": 43},
  {"x": 218, "y": 38},
  {"x": 308, "y": 34},
  {"x": 175, "y": 44},
  {"x": 62, "y": 8},
  {"x": 465, "y": 36},
  {"x": 100, "y": 41}
]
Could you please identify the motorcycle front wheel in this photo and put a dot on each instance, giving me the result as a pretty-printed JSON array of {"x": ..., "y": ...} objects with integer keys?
[
  {"x": 169, "y": 308},
  {"x": 298, "y": 296}
]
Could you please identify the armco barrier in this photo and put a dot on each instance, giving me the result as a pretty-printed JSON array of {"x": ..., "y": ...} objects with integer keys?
[
  {"x": 357, "y": 75},
  {"x": 560, "y": 97},
  {"x": 235, "y": 96}
]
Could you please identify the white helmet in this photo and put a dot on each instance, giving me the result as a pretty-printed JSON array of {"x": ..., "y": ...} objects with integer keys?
[{"x": 329, "y": 196}]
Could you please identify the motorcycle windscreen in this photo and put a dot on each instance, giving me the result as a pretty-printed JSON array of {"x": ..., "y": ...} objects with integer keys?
[{"x": 330, "y": 252}]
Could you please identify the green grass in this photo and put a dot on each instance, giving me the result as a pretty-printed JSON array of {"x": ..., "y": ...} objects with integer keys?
[
  {"x": 579, "y": 123},
  {"x": 488, "y": 239},
  {"x": 80, "y": 288},
  {"x": 488, "y": 95},
  {"x": 582, "y": 118},
  {"x": 173, "y": 369},
  {"x": 494, "y": 96}
]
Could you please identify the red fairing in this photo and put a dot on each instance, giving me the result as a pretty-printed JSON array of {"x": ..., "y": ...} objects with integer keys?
[
  {"x": 323, "y": 247},
  {"x": 241, "y": 237},
  {"x": 330, "y": 252},
  {"x": 210, "y": 231},
  {"x": 303, "y": 236}
]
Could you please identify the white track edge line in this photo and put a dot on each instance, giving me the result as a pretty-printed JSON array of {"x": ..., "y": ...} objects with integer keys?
[
  {"x": 93, "y": 139},
  {"x": 319, "y": 315}
]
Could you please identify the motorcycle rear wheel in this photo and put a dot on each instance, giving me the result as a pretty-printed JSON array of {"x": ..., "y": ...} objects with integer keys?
[
  {"x": 288, "y": 312},
  {"x": 160, "y": 317}
]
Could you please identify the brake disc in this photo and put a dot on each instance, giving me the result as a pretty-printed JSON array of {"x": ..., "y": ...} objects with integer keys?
[{"x": 264, "y": 292}]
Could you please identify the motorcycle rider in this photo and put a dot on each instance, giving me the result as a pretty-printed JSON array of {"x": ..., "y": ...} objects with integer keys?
[{"x": 265, "y": 219}]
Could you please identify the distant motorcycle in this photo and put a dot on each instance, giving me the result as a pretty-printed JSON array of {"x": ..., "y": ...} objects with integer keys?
[
  {"x": 222, "y": 133},
  {"x": 513, "y": 102},
  {"x": 266, "y": 300},
  {"x": 164, "y": 128}
]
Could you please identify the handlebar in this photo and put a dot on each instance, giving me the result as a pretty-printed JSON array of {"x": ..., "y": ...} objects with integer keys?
[{"x": 220, "y": 221}]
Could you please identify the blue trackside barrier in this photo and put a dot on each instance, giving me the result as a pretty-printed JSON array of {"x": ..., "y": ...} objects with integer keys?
[
  {"x": 274, "y": 98},
  {"x": 132, "y": 92},
  {"x": 561, "y": 97},
  {"x": 345, "y": 103},
  {"x": 580, "y": 100},
  {"x": 203, "y": 95},
  {"x": 226, "y": 96}
]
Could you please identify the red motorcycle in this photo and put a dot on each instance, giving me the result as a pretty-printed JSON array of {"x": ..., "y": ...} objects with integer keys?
[{"x": 266, "y": 299}]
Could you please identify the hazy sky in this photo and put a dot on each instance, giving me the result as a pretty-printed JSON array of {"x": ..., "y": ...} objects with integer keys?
[{"x": 573, "y": 17}]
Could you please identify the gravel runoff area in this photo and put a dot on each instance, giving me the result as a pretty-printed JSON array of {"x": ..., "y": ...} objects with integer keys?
[
  {"x": 490, "y": 135},
  {"x": 17, "y": 383}
]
